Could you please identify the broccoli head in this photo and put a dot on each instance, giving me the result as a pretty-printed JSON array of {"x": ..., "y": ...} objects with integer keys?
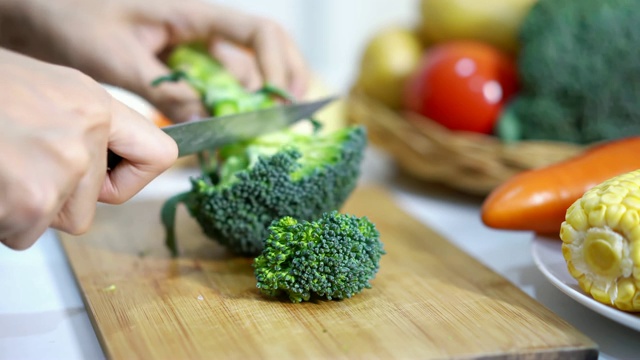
[
  {"x": 258, "y": 181},
  {"x": 577, "y": 66},
  {"x": 333, "y": 257}
]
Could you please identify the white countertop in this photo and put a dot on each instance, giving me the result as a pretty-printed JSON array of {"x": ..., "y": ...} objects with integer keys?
[{"x": 42, "y": 315}]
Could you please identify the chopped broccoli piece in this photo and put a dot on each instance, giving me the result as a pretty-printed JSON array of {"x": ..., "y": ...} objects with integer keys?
[
  {"x": 333, "y": 257},
  {"x": 577, "y": 63},
  {"x": 221, "y": 93},
  {"x": 272, "y": 176}
]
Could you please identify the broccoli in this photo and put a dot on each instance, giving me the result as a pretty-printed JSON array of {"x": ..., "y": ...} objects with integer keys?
[
  {"x": 221, "y": 93},
  {"x": 257, "y": 181},
  {"x": 333, "y": 257},
  {"x": 578, "y": 65}
]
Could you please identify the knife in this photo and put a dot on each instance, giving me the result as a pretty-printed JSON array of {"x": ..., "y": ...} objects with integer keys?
[{"x": 209, "y": 133}]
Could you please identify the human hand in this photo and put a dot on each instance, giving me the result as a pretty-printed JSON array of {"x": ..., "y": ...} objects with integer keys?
[
  {"x": 56, "y": 127},
  {"x": 121, "y": 42}
]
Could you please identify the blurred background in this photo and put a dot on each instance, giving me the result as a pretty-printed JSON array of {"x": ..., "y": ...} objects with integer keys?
[
  {"x": 468, "y": 93},
  {"x": 366, "y": 50},
  {"x": 332, "y": 33}
]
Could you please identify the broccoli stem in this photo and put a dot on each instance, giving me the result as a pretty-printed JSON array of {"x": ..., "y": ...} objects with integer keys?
[{"x": 168, "y": 218}]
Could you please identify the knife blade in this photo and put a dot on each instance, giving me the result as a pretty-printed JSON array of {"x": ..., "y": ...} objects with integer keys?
[{"x": 209, "y": 133}]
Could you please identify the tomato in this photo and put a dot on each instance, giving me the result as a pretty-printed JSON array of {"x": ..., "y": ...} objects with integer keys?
[{"x": 462, "y": 85}]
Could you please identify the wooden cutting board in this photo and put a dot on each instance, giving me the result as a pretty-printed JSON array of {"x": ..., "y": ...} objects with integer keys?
[{"x": 430, "y": 300}]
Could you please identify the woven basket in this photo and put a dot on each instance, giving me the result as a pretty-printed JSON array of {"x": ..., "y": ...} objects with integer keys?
[{"x": 470, "y": 162}]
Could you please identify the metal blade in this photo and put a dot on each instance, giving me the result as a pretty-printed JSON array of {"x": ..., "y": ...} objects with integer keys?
[{"x": 213, "y": 132}]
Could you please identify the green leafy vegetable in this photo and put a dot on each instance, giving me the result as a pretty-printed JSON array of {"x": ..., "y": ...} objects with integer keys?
[
  {"x": 333, "y": 257},
  {"x": 220, "y": 91},
  {"x": 577, "y": 67},
  {"x": 256, "y": 182}
]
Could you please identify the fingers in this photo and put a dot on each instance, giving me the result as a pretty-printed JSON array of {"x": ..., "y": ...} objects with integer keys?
[
  {"x": 32, "y": 211},
  {"x": 54, "y": 163},
  {"x": 241, "y": 63},
  {"x": 267, "y": 41},
  {"x": 25, "y": 238},
  {"x": 132, "y": 64},
  {"x": 68, "y": 180},
  {"x": 146, "y": 151},
  {"x": 78, "y": 211},
  {"x": 53, "y": 149},
  {"x": 300, "y": 74},
  {"x": 277, "y": 56},
  {"x": 278, "y": 59}
]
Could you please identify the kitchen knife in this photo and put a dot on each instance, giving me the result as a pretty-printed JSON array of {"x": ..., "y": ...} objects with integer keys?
[{"x": 209, "y": 133}]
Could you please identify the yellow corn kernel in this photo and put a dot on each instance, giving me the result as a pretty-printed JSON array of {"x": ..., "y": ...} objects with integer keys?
[
  {"x": 572, "y": 269},
  {"x": 601, "y": 241},
  {"x": 568, "y": 234},
  {"x": 635, "y": 244},
  {"x": 629, "y": 221},
  {"x": 626, "y": 292},
  {"x": 585, "y": 283},
  {"x": 614, "y": 196},
  {"x": 566, "y": 254},
  {"x": 614, "y": 214},
  {"x": 628, "y": 185},
  {"x": 597, "y": 215},
  {"x": 577, "y": 218},
  {"x": 632, "y": 202},
  {"x": 600, "y": 294},
  {"x": 589, "y": 203}
]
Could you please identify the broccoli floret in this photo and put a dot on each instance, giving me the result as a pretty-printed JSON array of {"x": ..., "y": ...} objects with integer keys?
[
  {"x": 333, "y": 257},
  {"x": 267, "y": 178},
  {"x": 577, "y": 66}
]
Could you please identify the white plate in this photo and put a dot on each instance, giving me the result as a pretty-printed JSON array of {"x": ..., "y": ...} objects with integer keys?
[{"x": 547, "y": 254}]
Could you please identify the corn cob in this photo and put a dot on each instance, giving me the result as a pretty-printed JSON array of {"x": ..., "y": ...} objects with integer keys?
[{"x": 601, "y": 241}]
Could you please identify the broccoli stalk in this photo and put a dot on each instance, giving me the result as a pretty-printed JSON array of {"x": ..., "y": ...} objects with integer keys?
[
  {"x": 221, "y": 93},
  {"x": 264, "y": 179},
  {"x": 333, "y": 257}
]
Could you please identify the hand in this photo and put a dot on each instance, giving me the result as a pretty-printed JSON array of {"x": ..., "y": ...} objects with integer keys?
[
  {"x": 56, "y": 127},
  {"x": 121, "y": 42}
]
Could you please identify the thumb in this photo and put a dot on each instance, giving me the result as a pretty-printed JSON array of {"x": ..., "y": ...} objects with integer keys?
[
  {"x": 178, "y": 101},
  {"x": 146, "y": 152}
]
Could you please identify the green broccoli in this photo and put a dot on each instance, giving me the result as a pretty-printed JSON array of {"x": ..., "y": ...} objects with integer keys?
[
  {"x": 333, "y": 257},
  {"x": 578, "y": 65},
  {"x": 221, "y": 93},
  {"x": 258, "y": 181}
]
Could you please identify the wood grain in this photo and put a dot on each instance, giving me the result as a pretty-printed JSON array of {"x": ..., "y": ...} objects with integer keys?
[{"x": 430, "y": 300}]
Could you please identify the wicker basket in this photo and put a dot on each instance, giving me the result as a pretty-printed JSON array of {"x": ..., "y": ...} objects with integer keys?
[{"x": 470, "y": 162}]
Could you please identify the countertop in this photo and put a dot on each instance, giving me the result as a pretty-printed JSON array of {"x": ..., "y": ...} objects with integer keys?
[{"x": 42, "y": 315}]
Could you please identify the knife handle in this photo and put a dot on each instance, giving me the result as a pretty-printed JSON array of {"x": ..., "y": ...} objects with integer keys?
[{"x": 113, "y": 160}]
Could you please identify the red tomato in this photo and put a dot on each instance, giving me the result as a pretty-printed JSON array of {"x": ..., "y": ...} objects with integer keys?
[{"x": 462, "y": 85}]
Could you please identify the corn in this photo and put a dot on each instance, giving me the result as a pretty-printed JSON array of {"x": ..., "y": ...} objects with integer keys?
[{"x": 601, "y": 241}]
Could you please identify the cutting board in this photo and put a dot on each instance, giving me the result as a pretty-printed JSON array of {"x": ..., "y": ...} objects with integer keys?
[{"x": 430, "y": 300}]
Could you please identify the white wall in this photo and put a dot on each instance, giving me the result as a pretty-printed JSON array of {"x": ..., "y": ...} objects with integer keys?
[{"x": 332, "y": 33}]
